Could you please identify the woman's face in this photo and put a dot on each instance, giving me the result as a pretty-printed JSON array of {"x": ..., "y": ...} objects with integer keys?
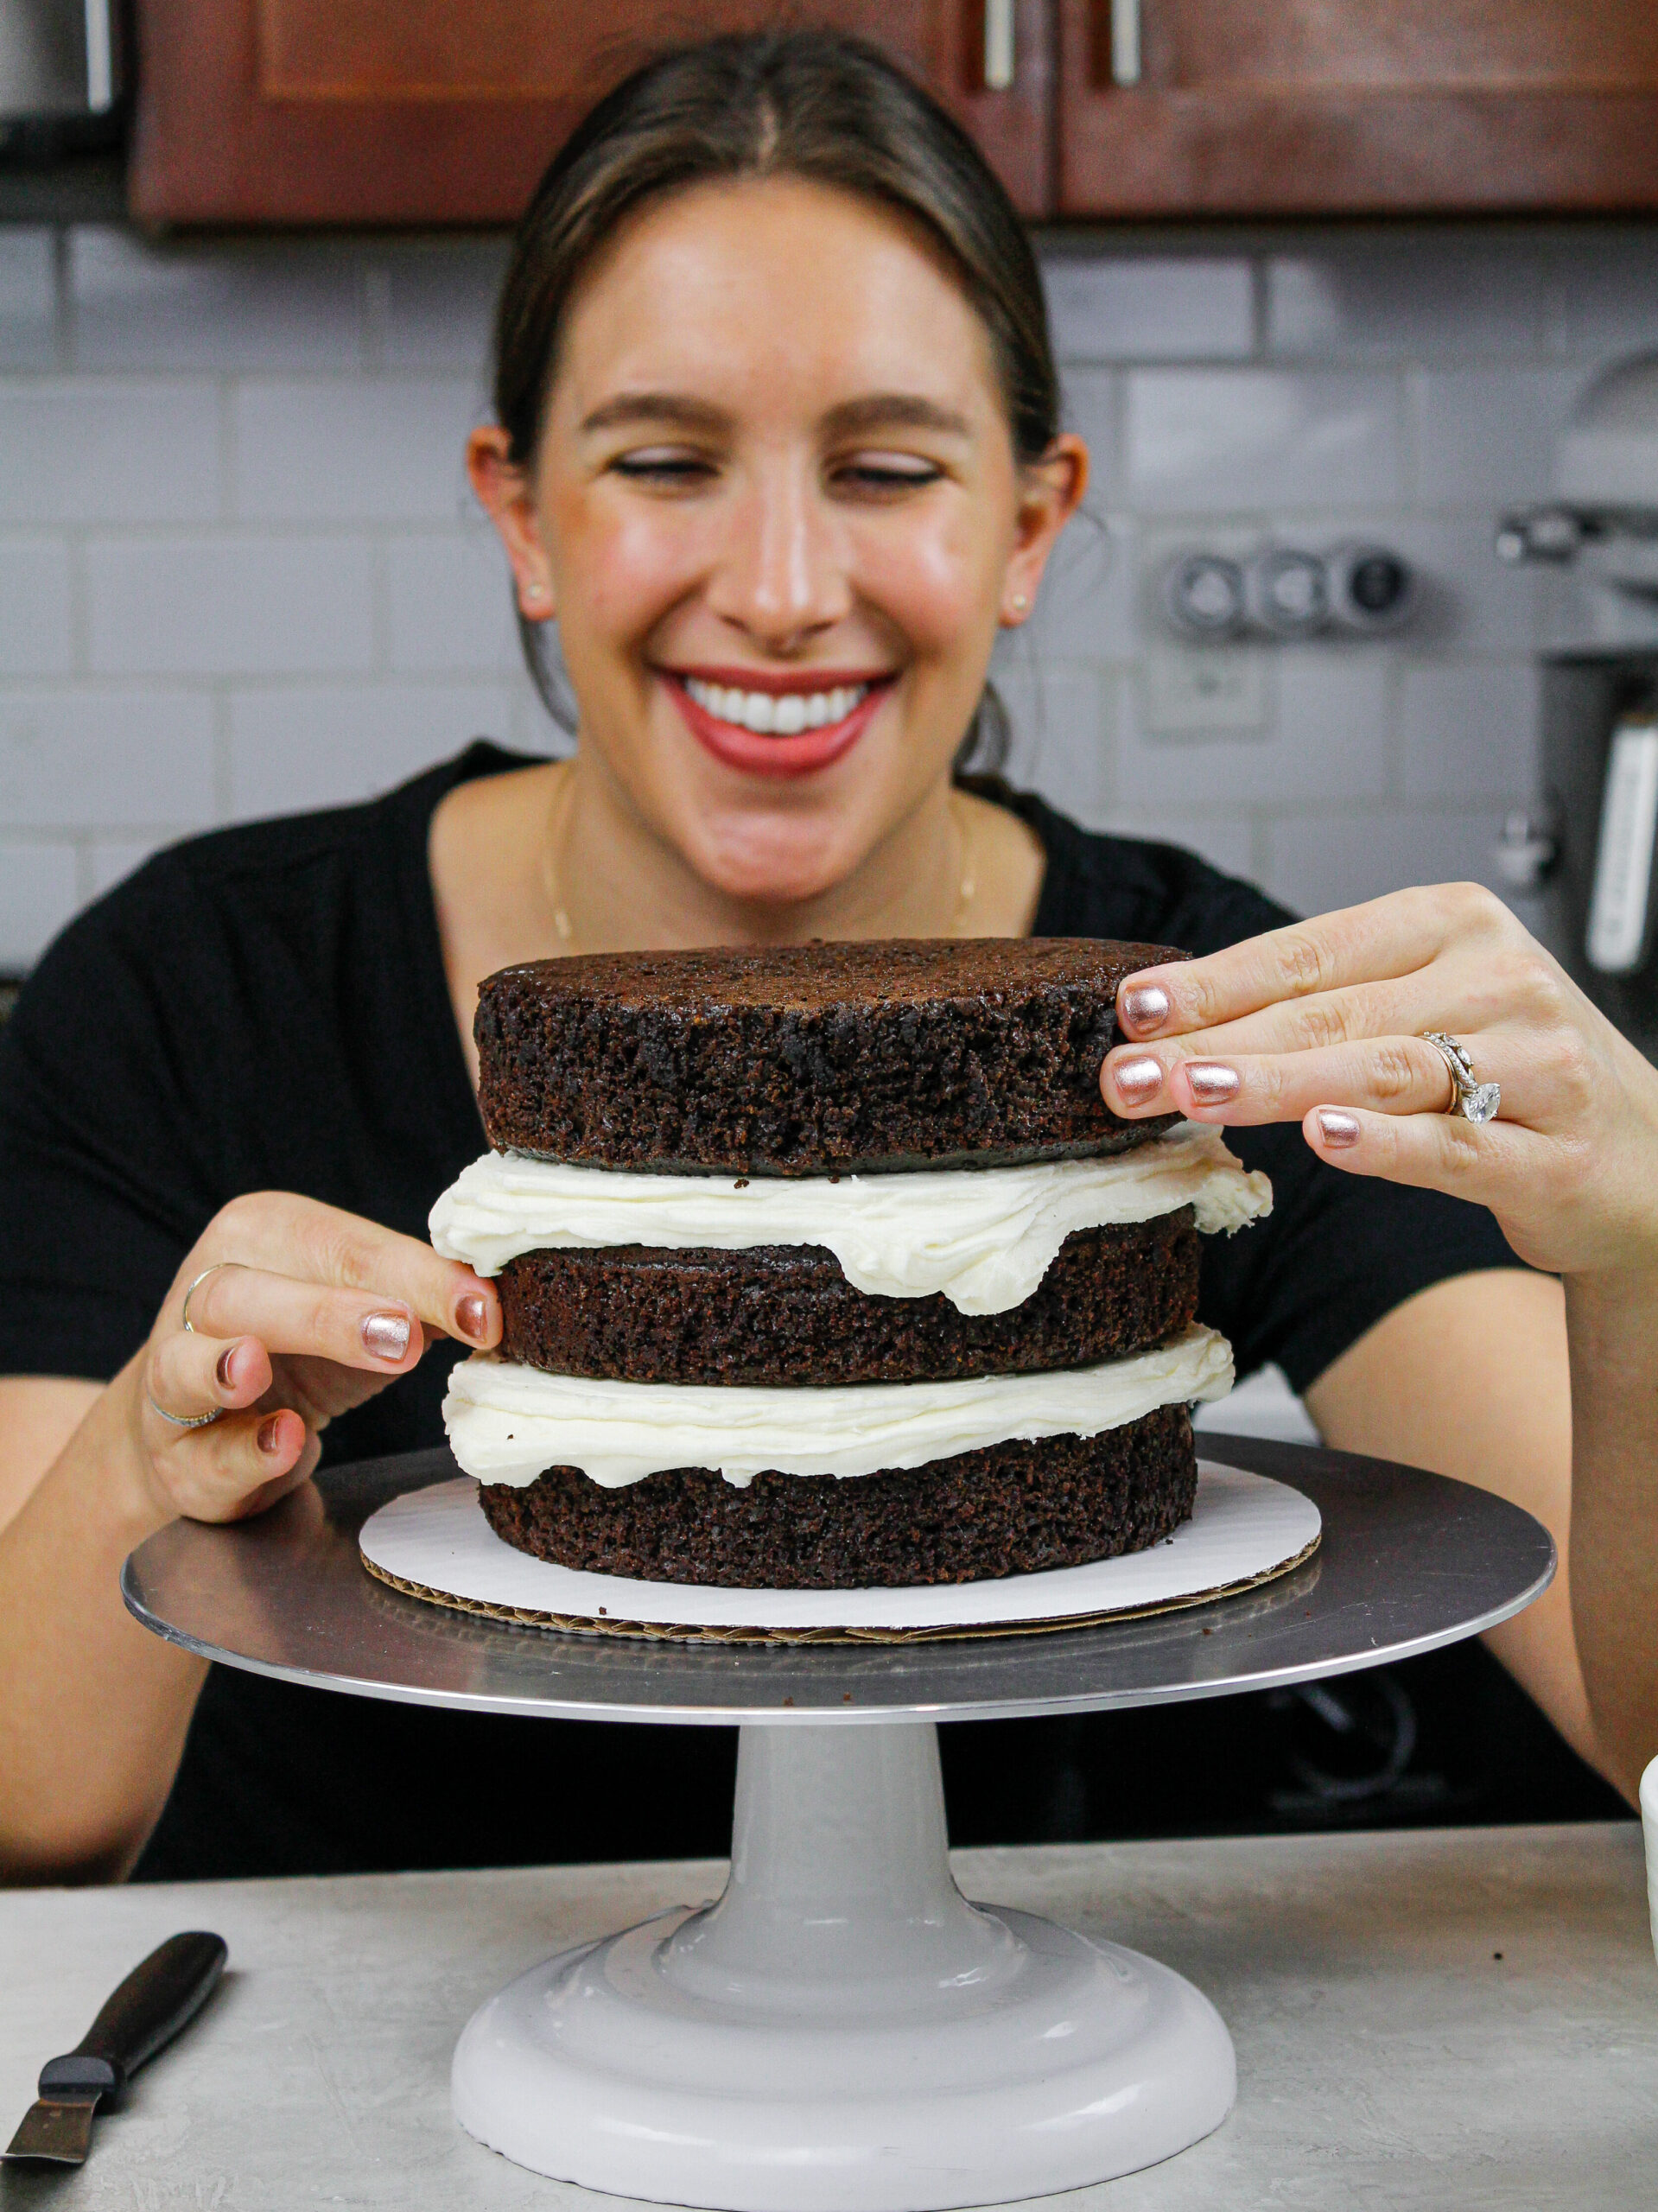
[{"x": 777, "y": 512}]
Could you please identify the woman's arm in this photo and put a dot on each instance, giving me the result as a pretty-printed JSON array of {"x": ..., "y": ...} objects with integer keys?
[
  {"x": 305, "y": 1312},
  {"x": 1470, "y": 1378},
  {"x": 1325, "y": 1023}
]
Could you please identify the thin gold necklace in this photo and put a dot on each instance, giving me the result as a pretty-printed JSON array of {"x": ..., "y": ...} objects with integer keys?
[{"x": 558, "y": 815}]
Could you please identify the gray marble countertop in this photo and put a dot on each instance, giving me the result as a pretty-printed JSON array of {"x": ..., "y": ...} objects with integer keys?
[{"x": 1464, "y": 2018}]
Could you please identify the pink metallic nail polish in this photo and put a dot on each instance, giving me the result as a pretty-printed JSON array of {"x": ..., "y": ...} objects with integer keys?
[
  {"x": 1212, "y": 1083},
  {"x": 386, "y": 1336},
  {"x": 1145, "y": 1008},
  {"x": 270, "y": 1437},
  {"x": 1136, "y": 1082},
  {"x": 472, "y": 1316},
  {"x": 1337, "y": 1129},
  {"x": 222, "y": 1371}
]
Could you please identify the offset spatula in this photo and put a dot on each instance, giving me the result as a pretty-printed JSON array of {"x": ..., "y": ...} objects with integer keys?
[{"x": 147, "y": 2010}]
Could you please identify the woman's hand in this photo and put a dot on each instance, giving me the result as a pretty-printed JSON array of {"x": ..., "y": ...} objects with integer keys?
[
  {"x": 298, "y": 1312},
  {"x": 1324, "y": 1023}
]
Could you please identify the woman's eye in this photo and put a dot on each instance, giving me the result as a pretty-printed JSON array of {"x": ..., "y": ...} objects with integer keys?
[
  {"x": 661, "y": 466},
  {"x": 886, "y": 474}
]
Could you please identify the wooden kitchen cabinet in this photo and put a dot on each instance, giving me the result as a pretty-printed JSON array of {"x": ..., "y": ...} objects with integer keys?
[
  {"x": 431, "y": 111},
  {"x": 1278, "y": 107}
]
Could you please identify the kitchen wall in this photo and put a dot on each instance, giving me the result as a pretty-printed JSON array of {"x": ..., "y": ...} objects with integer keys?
[{"x": 240, "y": 572}]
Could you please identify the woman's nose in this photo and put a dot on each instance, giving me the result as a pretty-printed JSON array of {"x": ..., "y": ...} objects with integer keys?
[{"x": 781, "y": 571}]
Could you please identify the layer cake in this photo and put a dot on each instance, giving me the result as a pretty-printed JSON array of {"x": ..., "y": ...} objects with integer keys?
[{"x": 828, "y": 1267}]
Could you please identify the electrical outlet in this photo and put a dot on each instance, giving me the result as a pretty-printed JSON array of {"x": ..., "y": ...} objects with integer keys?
[{"x": 1194, "y": 688}]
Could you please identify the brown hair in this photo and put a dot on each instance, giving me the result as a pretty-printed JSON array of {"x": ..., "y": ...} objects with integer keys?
[{"x": 806, "y": 103}]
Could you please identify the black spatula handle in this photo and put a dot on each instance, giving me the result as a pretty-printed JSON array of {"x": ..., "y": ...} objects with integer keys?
[{"x": 148, "y": 2010}]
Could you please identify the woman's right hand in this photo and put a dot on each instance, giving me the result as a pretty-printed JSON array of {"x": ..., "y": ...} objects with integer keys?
[{"x": 298, "y": 1312}]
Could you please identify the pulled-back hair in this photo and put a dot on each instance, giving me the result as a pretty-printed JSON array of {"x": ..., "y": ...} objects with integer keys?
[{"x": 812, "y": 105}]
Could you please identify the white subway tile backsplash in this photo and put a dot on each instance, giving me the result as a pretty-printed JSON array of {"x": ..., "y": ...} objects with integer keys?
[
  {"x": 1485, "y": 438},
  {"x": 1061, "y": 737},
  {"x": 362, "y": 449},
  {"x": 28, "y": 297},
  {"x": 295, "y": 746},
  {"x": 1404, "y": 296},
  {"x": 38, "y": 892},
  {"x": 86, "y": 449},
  {"x": 236, "y": 304},
  {"x": 450, "y": 602},
  {"x": 1091, "y": 404},
  {"x": 232, "y": 604},
  {"x": 78, "y": 757},
  {"x": 439, "y": 303},
  {"x": 1470, "y": 730},
  {"x": 36, "y": 623},
  {"x": 1150, "y": 307},
  {"x": 1319, "y": 862},
  {"x": 1327, "y": 738},
  {"x": 1602, "y": 291},
  {"x": 1199, "y": 440}
]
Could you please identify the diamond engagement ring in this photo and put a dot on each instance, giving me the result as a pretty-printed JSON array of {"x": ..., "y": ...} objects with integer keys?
[{"x": 1473, "y": 1100}]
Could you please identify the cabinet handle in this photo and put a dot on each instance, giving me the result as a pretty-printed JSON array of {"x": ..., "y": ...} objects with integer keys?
[
  {"x": 997, "y": 45},
  {"x": 1125, "y": 42}
]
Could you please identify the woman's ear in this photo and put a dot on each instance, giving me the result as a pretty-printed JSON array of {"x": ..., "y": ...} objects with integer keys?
[
  {"x": 1050, "y": 490},
  {"x": 502, "y": 490}
]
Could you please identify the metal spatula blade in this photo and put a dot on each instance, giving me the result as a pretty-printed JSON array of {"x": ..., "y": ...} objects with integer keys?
[
  {"x": 169, "y": 1987},
  {"x": 60, "y": 2130}
]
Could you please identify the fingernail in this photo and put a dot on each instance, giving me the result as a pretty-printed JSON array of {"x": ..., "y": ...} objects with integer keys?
[
  {"x": 1213, "y": 1084},
  {"x": 1135, "y": 1081},
  {"x": 1337, "y": 1129},
  {"x": 269, "y": 1438},
  {"x": 472, "y": 1315},
  {"x": 1145, "y": 1008},
  {"x": 223, "y": 1369},
  {"x": 386, "y": 1336}
]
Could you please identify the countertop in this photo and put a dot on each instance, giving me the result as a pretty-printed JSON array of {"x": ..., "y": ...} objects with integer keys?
[{"x": 1463, "y": 2018}]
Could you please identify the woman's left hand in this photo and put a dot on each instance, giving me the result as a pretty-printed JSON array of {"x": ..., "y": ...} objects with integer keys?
[{"x": 1323, "y": 1022}]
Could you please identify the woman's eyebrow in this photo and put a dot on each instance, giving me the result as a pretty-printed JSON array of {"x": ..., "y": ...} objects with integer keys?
[
  {"x": 669, "y": 408},
  {"x": 894, "y": 410}
]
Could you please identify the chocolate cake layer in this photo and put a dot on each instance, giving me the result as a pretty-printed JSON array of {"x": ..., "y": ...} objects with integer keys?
[
  {"x": 786, "y": 1314},
  {"x": 808, "y": 1059},
  {"x": 1011, "y": 1509}
]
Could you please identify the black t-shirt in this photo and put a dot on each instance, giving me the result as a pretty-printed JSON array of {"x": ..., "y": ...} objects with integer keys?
[{"x": 266, "y": 1008}]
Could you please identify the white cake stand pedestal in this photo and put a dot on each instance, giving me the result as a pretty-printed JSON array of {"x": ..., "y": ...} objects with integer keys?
[{"x": 842, "y": 2031}]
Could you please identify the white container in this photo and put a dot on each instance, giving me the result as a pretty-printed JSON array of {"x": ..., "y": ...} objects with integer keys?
[{"x": 1649, "y": 1829}]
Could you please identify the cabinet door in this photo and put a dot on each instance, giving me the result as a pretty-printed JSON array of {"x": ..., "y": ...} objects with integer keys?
[
  {"x": 1316, "y": 106},
  {"x": 448, "y": 111}
]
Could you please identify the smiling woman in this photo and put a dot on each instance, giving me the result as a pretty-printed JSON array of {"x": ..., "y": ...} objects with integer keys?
[{"x": 777, "y": 447}]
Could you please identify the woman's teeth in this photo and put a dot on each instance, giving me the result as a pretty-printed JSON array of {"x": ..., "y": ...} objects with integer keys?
[{"x": 776, "y": 714}]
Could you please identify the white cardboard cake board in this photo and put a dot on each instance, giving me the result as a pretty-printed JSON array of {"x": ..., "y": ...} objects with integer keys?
[{"x": 437, "y": 1544}]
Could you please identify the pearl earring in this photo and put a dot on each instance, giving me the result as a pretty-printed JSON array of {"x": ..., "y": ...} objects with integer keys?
[
  {"x": 1020, "y": 602},
  {"x": 535, "y": 592}
]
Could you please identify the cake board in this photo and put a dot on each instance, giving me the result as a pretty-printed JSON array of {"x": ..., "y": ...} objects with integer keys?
[{"x": 842, "y": 2031}]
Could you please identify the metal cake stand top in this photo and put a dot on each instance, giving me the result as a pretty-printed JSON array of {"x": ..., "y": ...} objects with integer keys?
[{"x": 1409, "y": 1562}]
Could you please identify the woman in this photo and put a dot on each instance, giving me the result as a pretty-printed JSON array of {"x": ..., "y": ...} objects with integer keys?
[{"x": 777, "y": 450}]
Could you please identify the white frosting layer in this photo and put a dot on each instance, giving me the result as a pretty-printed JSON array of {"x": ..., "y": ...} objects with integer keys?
[
  {"x": 983, "y": 1236},
  {"x": 507, "y": 1423}
]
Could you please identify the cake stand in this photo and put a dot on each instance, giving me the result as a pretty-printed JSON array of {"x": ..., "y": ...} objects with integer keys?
[{"x": 842, "y": 2031}]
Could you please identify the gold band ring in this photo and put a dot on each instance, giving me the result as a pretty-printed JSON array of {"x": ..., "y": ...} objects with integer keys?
[{"x": 1472, "y": 1099}]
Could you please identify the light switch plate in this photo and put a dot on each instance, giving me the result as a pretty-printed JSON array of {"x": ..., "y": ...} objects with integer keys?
[{"x": 1192, "y": 688}]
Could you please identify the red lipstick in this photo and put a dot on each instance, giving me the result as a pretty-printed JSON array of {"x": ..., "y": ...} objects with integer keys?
[{"x": 757, "y": 753}]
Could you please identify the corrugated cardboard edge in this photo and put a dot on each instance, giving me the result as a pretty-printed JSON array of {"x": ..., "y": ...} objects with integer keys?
[{"x": 669, "y": 1632}]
